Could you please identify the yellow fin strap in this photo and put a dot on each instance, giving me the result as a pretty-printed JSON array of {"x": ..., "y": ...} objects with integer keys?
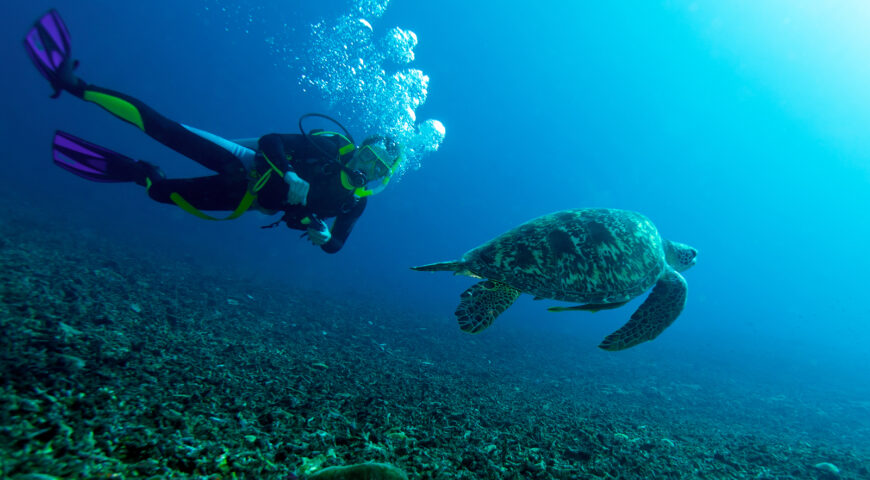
[
  {"x": 244, "y": 205},
  {"x": 116, "y": 106}
]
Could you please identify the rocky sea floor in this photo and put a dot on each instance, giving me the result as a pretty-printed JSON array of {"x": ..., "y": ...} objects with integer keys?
[{"x": 118, "y": 364}]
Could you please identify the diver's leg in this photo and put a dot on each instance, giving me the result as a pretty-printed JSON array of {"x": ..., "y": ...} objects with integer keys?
[
  {"x": 49, "y": 47},
  {"x": 203, "y": 148},
  {"x": 100, "y": 164},
  {"x": 216, "y": 192}
]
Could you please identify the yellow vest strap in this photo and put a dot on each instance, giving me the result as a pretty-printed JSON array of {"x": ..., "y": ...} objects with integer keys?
[
  {"x": 346, "y": 149},
  {"x": 244, "y": 205},
  {"x": 261, "y": 182}
]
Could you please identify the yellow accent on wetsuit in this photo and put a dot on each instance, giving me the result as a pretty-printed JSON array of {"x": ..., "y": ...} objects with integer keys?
[{"x": 116, "y": 106}]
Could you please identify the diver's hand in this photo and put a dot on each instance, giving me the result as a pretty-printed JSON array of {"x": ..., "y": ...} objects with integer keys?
[
  {"x": 318, "y": 232},
  {"x": 297, "y": 194}
]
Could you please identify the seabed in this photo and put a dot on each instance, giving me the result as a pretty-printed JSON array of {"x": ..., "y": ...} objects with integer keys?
[{"x": 117, "y": 362}]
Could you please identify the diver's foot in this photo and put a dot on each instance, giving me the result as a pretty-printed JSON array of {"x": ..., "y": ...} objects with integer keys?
[
  {"x": 67, "y": 80},
  {"x": 147, "y": 173}
]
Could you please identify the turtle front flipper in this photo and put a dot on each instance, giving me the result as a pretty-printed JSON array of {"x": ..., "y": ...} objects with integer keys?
[
  {"x": 482, "y": 303},
  {"x": 657, "y": 312}
]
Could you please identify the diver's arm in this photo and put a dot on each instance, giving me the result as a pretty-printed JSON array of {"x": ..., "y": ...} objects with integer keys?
[
  {"x": 272, "y": 147},
  {"x": 273, "y": 151},
  {"x": 342, "y": 226}
]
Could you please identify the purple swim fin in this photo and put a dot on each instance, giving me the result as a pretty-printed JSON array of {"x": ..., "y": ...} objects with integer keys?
[
  {"x": 91, "y": 161},
  {"x": 48, "y": 44}
]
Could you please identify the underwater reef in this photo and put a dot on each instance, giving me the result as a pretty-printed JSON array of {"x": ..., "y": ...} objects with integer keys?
[{"x": 119, "y": 362}]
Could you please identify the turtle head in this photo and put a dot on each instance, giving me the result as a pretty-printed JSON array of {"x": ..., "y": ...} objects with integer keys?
[{"x": 679, "y": 255}]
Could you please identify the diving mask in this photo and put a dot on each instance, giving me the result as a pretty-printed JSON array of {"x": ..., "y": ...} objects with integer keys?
[{"x": 373, "y": 164}]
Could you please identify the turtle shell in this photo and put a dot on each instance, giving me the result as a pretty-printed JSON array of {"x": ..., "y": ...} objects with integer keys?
[{"x": 584, "y": 255}]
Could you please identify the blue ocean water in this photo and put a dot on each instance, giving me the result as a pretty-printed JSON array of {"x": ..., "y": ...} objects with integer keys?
[{"x": 738, "y": 128}]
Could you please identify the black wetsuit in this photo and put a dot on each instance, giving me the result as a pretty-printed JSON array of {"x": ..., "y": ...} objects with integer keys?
[{"x": 327, "y": 197}]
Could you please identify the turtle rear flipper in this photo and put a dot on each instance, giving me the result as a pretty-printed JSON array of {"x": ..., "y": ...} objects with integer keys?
[
  {"x": 657, "y": 312},
  {"x": 482, "y": 303}
]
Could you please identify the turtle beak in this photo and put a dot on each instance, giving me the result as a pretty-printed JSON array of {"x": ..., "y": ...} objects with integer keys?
[{"x": 692, "y": 259}]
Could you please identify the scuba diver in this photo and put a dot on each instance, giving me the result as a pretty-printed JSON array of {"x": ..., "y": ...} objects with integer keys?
[{"x": 309, "y": 176}]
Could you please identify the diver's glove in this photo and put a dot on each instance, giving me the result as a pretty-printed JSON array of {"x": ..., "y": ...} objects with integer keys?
[
  {"x": 297, "y": 194},
  {"x": 318, "y": 232}
]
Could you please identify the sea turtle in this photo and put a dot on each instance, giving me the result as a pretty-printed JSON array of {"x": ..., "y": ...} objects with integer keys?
[{"x": 601, "y": 258}]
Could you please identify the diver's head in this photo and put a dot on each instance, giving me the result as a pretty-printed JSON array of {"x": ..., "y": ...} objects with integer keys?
[
  {"x": 376, "y": 160},
  {"x": 679, "y": 255}
]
